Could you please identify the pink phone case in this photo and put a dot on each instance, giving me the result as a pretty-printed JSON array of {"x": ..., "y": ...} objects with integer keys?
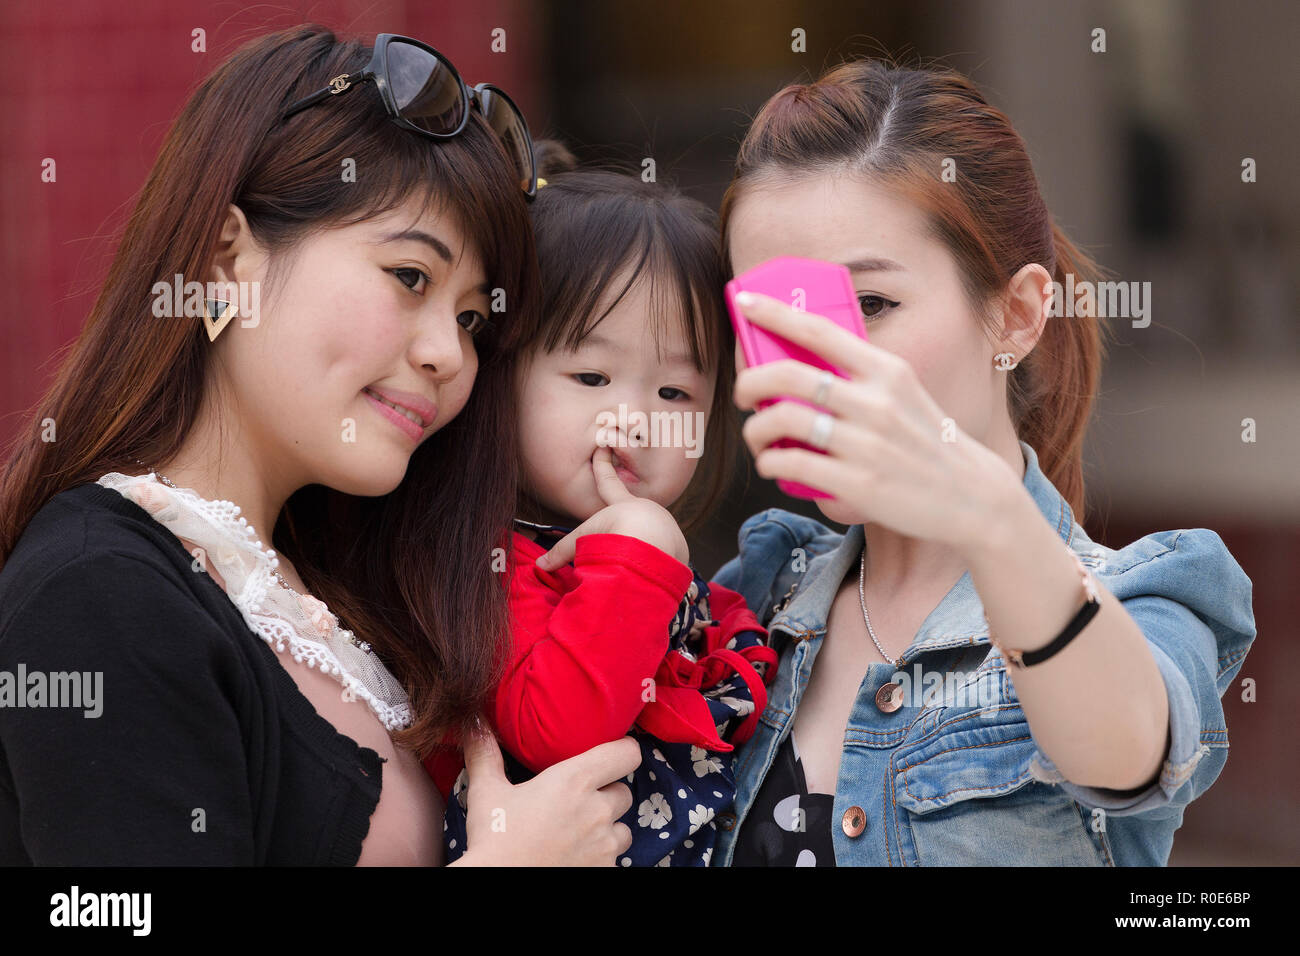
[{"x": 811, "y": 285}]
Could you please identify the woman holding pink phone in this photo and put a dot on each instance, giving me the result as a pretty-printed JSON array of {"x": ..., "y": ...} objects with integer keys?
[
  {"x": 965, "y": 677},
  {"x": 269, "y": 705}
]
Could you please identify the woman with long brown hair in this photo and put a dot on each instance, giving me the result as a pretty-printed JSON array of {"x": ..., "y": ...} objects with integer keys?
[
  {"x": 349, "y": 403},
  {"x": 965, "y": 677}
]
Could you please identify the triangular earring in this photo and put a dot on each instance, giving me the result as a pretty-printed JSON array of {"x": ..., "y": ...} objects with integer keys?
[{"x": 216, "y": 316}]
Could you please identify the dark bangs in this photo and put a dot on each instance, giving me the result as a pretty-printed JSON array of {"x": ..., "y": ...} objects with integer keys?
[{"x": 590, "y": 226}]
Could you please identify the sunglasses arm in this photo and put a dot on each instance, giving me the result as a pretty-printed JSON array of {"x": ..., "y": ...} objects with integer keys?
[{"x": 344, "y": 81}]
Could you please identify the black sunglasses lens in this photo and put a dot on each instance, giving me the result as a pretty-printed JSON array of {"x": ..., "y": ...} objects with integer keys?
[
  {"x": 509, "y": 126},
  {"x": 427, "y": 92}
]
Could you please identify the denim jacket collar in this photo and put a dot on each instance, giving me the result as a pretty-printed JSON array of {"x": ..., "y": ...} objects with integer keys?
[{"x": 957, "y": 620}]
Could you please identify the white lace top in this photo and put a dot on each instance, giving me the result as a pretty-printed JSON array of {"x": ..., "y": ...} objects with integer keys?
[{"x": 301, "y": 624}]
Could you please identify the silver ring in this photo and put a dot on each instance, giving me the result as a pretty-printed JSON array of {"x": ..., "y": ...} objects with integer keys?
[
  {"x": 823, "y": 387},
  {"x": 820, "y": 437}
]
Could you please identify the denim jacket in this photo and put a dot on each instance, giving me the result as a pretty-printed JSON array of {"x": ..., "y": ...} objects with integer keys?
[{"x": 956, "y": 778}]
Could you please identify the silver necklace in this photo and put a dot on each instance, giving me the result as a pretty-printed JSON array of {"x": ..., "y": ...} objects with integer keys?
[
  {"x": 352, "y": 638},
  {"x": 862, "y": 599}
]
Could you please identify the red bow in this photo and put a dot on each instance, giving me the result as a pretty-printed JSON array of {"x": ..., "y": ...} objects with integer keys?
[{"x": 678, "y": 713}]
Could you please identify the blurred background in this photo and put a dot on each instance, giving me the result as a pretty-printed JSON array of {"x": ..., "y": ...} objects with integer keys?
[{"x": 1139, "y": 151}]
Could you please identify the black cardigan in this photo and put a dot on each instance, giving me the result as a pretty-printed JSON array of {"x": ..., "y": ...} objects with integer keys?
[{"x": 198, "y": 714}]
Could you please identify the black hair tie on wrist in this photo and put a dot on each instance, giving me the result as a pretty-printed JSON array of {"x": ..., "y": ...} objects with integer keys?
[
  {"x": 1077, "y": 624},
  {"x": 1092, "y": 605}
]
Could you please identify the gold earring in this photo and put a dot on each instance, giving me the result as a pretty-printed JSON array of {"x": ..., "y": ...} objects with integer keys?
[
  {"x": 217, "y": 314},
  {"x": 1004, "y": 361}
]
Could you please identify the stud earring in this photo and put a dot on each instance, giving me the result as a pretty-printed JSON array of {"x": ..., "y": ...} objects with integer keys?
[
  {"x": 1004, "y": 361},
  {"x": 217, "y": 314}
]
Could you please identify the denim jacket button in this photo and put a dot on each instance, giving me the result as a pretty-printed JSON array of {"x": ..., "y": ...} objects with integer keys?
[
  {"x": 889, "y": 698},
  {"x": 854, "y": 821}
]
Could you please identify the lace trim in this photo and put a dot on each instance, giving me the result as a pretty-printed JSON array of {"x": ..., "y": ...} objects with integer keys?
[{"x": 303, "y": 625}]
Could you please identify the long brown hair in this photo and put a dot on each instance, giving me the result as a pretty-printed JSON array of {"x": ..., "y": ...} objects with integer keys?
[
  {"x": 897, "y": 126},
  {"x": 410, "y": 571},
  {"x": 593, "y": 223}
]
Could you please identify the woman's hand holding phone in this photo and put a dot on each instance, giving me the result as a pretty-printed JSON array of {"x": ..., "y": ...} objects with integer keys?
[
  {"x": 624, "y": 513},
  {"x": 893, "y": 456}
]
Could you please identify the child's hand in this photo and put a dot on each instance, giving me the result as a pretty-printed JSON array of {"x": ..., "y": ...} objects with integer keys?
[{"x": 624, "y": 513}]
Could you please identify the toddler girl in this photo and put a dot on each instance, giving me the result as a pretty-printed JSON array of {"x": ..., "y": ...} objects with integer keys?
[{"x": 615, "y": 632}]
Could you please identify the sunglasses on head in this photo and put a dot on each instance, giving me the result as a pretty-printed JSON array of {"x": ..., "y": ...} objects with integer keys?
[{"x": 423, "y": 93}]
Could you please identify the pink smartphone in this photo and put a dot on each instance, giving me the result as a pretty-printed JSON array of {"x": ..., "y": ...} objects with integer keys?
[{"x": 810, "y": 285}]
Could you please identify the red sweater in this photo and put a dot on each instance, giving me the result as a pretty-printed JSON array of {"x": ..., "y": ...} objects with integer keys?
[{"x": 588, "y": 640}]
